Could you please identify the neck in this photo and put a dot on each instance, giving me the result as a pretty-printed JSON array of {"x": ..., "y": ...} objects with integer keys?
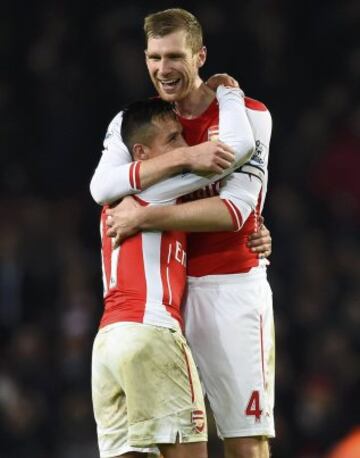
[{"x": 194, "y": 104}]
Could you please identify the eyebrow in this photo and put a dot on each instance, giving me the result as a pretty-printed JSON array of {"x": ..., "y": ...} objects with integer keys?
[{"x": 169, "y": 54}]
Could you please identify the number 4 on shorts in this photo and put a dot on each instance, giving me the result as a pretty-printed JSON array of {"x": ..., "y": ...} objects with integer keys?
[{"x": 253, "y": 407}]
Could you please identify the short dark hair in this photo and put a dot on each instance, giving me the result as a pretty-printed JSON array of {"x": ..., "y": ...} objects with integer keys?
[{"x": 138, "y": 117}]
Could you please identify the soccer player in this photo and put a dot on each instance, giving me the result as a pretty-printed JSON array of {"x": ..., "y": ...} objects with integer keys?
[
  {"x": 146, "y": 390},
  {"x": 228, "y": 314}
]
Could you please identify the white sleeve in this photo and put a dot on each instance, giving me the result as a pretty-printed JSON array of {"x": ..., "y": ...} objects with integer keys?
[
  {"x": 248, "y": 183},
  {"x": 234, "y": 130},
  {"x": 116, "y": 175}
]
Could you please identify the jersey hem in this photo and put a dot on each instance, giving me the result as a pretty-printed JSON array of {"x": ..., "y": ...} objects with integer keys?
[
  {"x": 128, "y": 448},
  {"x": 231, "y": 278},
  {"x": 175, "y": 325},
  {"x": 270, "y": 434}
]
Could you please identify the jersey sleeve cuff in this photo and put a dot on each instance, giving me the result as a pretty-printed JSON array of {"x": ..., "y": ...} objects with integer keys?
[
  {"x": 134, "y": 175},
  {"x": 235, "y": 214}
]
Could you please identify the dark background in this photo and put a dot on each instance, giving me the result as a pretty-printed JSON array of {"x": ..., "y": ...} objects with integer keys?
[{"x": 66, "y": 69}]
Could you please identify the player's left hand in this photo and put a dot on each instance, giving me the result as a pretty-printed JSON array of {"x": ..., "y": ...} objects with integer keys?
[
  {"x": 260, "y": 242},
  {"x": 221, "y": 78},
  {"x": 123, "y": 220}
]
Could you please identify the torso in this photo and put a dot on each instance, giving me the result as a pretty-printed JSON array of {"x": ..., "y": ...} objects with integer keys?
[{"x": 216, "y": 253}]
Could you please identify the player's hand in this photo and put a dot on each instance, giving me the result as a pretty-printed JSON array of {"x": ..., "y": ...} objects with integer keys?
[
  {"x": 221, "y": 78},
  {"x": 123, "y": 220},
  {"x": 260, "y": 242},
  {"x": 209, "y": 157}
]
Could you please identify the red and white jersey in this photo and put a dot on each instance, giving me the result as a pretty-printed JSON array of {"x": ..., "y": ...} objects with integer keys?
[
  {"x": 144, "y": 278},
  {"x": 116, "y": 176},
  {"x": 243, "y": 125},
  {"x": 215, "y": 253}
]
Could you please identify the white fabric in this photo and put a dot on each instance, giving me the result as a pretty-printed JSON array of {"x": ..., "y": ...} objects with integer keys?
[
  {"x": 234, "y": 129},
  {"x": 245, "y": 184},
  {"x": 155, "y": 310},
  {"x": 145, "y": 389},
  {"x": 229, "y": 327},
  {"x": 111, "y": 177},
  {"x": 243, "y": 191}
]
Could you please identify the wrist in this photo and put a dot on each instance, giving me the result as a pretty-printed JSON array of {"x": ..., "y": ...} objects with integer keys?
[
  {"x": 154, "y": 217},
  {"x": 144, "y": 218},
  {"x": 180, "y": 159}
]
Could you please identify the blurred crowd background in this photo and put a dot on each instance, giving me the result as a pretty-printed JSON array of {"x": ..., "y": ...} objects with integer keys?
[{"x": 66, "y": 69}]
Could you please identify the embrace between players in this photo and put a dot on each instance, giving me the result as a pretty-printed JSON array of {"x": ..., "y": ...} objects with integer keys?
[{"x": 193, "y": 163}]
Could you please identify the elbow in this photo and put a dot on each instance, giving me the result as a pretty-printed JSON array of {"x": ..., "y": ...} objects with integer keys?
[
  {"x": 244, "y": 150},
  {"x": 96, "y": 192}
]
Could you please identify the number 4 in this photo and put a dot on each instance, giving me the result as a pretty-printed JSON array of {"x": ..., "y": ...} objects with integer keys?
[{"x": 253, "y": 407}]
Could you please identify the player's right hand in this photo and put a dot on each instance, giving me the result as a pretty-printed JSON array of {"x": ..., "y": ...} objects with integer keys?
[
  {"x": 123, "y": 220},
  {"x": 210, "y": 157},
  {"x": 221, "y": 78}
]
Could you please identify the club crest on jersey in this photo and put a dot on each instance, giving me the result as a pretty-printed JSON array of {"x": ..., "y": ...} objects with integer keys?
[
  {"x": 198, "y": 420},
  {"x": 213, "y": 133}
]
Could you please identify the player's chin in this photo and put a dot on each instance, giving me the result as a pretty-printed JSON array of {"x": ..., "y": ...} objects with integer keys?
[{"x": 173, "y": 97}]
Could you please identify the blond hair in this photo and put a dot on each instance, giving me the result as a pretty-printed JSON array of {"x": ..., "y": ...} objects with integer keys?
[{"x": 172, "y": 20}]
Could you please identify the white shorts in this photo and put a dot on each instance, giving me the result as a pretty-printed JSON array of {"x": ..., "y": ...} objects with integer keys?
[
  {"x": 230, "y": 329},
  {"x": 145, "y": 389}
]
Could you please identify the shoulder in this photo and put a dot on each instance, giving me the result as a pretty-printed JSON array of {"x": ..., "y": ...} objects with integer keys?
[
  {"x": 256, "y": 105},
  {"x": 259, "y": 116},
  {"x": 114, "y": 126},
  {"x": 117, "y": 119}
]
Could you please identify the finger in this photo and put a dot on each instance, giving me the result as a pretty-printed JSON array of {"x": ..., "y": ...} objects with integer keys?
[
  {"x": 111, "y": 232},
  {"x": 233, "y": 83},
  {"x": 226, "y": 154},
  {"x": 260, "y": 249},
  {"x": 264, "y": 255},
  {"x": 223, "y": 164},
  {"x": 224, "y": 147},
  {"x": 257, "y": 241},
  {"x": 117, "y": 241},
  {"x": 217, "y": 169},
  {"x": 109, "y": 221},
  {"x": 109, "y": 212},
  {"x": 260, "y": 235},
  {"x": 264, "y": 231}
]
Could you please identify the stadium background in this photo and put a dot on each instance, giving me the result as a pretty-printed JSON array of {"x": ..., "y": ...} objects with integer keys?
[{"x": 66, "y": 70}]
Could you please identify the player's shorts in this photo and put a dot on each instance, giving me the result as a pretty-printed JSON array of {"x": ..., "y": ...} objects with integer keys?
[
  {"x": 230, "y": 328},
  {"x": 145, "y": 389}
]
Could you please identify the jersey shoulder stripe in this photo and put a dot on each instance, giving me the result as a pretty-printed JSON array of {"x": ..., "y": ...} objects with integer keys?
[{"x": 253, "y": 104}]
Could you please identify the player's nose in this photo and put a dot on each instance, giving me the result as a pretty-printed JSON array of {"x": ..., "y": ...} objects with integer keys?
[{"x": 164, "y": 68}]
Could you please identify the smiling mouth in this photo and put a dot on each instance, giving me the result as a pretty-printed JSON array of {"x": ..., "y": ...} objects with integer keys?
[{"x": 169, "y": 84}]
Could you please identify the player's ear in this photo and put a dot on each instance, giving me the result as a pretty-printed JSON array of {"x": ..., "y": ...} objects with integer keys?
[
  {"x": 140, "y": 152},
  {"x": 202, "y": 56}
]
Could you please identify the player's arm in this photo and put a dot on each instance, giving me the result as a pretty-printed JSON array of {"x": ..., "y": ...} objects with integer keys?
[
  {"x": 117, "y": 175},
  {"x": 130, "y": 217},
  {"x": 238, "y": 198},
  {"x": 246, "y": 188},
  {"x": 234, "y": 131}
]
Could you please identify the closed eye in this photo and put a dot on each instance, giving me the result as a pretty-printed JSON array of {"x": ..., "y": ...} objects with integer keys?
[{"x": 172, "y": 137}]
